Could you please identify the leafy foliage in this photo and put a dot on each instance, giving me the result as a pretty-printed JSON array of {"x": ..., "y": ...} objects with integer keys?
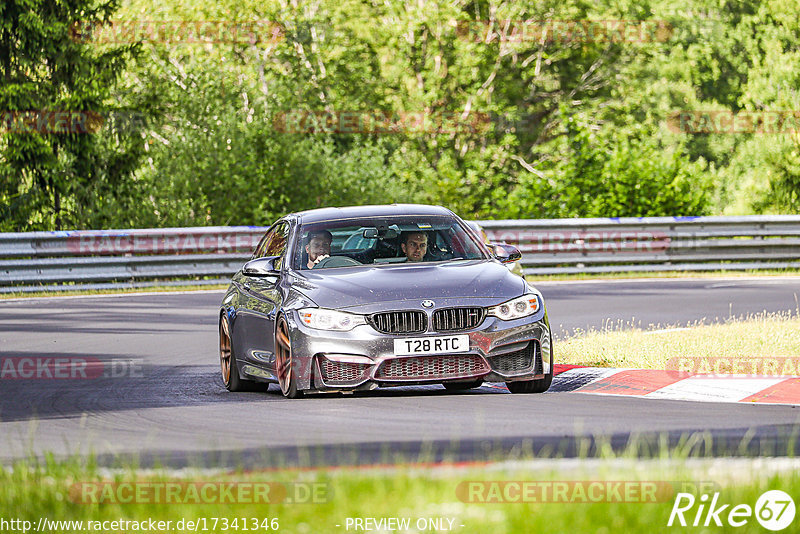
[
  {"x": 51, "y": 180},
  {"x": 568, "y": 124}
]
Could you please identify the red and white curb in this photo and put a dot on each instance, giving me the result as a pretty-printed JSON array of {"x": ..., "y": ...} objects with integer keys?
[{"x": 675, "y": 385}]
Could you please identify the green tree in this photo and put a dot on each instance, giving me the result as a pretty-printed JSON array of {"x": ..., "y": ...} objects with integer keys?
[
  {"x": 784, "y": 182},
  {"x": 48, "y": 178},
  {"x": 607, "y": 173},
  {"x": 556, "y": 127}
]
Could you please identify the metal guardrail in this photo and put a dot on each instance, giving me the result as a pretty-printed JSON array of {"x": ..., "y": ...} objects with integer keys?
[
  {"x": 651, "y": 244},
  {"x": 98, "y": 259}
]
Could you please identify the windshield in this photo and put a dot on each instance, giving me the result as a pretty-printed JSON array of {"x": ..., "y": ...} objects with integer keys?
[{"x": 385, "y": 240}]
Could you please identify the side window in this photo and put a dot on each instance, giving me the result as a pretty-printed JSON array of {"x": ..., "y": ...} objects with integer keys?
[
  {"x": 276, "y": 245},
  {"x": 262, "y": 246}
]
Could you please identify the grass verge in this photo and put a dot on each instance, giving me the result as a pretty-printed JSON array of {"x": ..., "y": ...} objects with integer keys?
[
  {"x": 115, "y": 291},
  {"x": 607, "y": 495},
  {"x": 531, "y": 278},
  {"x": 762, "y": 336}
]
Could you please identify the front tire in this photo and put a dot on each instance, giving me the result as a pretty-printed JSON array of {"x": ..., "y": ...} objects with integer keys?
[
  {"x": 286, "y": 370},
  {"x": 531, "y": 386},
  {"x": 535, "y": 386}
]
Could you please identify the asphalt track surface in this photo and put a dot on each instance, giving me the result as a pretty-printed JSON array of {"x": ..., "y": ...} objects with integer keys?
[{"x": 170, "y": 406}]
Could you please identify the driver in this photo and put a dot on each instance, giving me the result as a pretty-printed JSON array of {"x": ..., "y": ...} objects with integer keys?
[
  {"x": 415, "y": 245},
  {"x": 318, "y": 247}
]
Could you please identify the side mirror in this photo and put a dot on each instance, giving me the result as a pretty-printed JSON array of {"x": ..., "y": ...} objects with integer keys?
[
  {"x": 261, "y": 267},
  {"x": 505, "y": 253}
]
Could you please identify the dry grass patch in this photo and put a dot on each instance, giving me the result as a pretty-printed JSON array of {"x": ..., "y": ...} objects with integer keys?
[{"x": 763, "y": 336}]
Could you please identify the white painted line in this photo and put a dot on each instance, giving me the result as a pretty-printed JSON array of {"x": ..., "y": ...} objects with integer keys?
[
  {"x": 574, "y": 379},
  {"x": 596, "y": 373},
  {"x": 722, "y": 389}
]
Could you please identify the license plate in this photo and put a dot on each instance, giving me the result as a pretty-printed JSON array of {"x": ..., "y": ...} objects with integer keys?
[{"x": 431, "y": 345}]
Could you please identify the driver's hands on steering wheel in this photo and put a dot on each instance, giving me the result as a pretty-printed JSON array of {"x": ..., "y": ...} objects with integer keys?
[{"x": 320, "y": 258}]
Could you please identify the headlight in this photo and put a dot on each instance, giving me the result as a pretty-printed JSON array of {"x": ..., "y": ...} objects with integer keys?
[
  {"x": 516, "y": 308},
  {"x": 323, "y": 319}
]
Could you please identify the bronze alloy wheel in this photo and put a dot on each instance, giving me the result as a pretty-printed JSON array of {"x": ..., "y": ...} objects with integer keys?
[
  {"x": 283, "y": 361},
  {"x": 227, "y": 360},
  {"x": 225, "y": 351}
]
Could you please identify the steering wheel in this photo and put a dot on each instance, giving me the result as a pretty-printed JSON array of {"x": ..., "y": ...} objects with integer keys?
[
  {"x": 337, "y": 261},
  {"x": 438, "y": 255}
]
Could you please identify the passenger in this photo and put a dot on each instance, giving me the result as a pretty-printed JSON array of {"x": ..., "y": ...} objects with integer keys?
[
  {"x": 318, "y": 247},
  {"x": 415, "y": 245}
]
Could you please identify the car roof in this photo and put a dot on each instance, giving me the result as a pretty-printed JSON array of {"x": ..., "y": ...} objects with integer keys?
[{"x": 356, "y": 212}]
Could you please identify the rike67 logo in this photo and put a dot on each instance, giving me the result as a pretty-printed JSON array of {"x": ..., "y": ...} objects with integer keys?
[{"x": 774, "y": 510}]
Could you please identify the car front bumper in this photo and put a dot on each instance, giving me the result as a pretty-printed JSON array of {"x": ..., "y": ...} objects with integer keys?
[{"x": 363, "y": 358}]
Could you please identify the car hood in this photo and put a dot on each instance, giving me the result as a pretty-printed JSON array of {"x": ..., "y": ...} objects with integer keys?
[{"x": 373, "y": 287}]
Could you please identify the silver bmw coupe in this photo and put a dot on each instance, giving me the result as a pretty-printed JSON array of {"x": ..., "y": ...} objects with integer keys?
[{"x": 349, "y": 299}]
